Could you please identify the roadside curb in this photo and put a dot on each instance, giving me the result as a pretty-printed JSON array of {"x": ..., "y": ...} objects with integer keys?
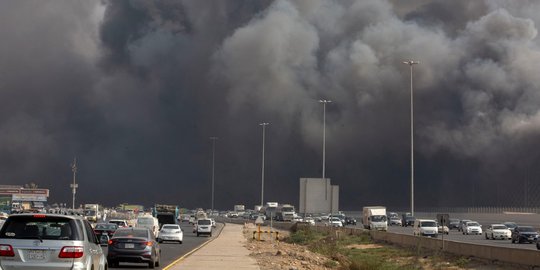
[{"x": 183, "y": 257}]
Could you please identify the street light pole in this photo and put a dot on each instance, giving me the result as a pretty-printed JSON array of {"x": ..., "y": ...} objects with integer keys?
[
  {"x": 262, "y": 171},
  {"x": 411, "y": 63},
  {"x": 324, "y": 102},
  {"x": 74, "y": 186},
  {"x": 213, "y": 167}
]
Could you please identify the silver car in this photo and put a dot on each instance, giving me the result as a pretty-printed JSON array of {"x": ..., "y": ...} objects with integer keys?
[{"x": 49, "y": 241}]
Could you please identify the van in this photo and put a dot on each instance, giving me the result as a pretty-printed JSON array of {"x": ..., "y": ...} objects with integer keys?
[
  {"x": 148, "y": 222},
  {"x": 425, "y": 227},
  {"x": 204, "y": 226}
]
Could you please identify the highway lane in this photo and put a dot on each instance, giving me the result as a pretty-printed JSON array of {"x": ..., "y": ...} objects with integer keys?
[
  {"x": 171, "y": 251},
  {"x": 484, "y": 220}
]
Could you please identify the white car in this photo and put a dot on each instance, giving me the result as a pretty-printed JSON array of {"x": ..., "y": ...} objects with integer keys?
[
  {"x": 335, "y": 222},
  {"x": 203, "y": 226},
  {"x": 472, "y": 227},
  {"x": 310, "y": 221},
  {"x": 443, "y": 229},
  {"x": 170, "y": 232},
  {"x": 498, "y": 231},
  {"x": 213, "y": 222}
]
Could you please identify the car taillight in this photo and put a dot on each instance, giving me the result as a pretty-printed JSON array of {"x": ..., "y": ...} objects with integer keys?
[
  {"x": 149, "y": 243},
  {"x": 6, "y": 251},
  {"x": 71, "y": 252}
]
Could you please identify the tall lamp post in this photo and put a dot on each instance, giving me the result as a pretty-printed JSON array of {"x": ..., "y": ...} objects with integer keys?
[
  {"x": 262, "y": 170},
  {"x": 324, "y": 102},
  {"x": 74, "y": 186},
  {"x": 411, "y": 63},
  {"x": 213, "y": 167}
]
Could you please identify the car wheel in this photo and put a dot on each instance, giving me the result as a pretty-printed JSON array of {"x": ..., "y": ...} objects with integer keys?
[
  {"x": 151, "y": 265},
  {"x": 112, "y": 264},
  {"x": 179, "y": 242},
  {"x": 537, "y": 246},
  {"x": 197, "y": 234},
  {"x": 513, "y": 241}
]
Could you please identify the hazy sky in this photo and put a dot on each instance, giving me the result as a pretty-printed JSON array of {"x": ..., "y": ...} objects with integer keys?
[{"x": 135, "y": 89}]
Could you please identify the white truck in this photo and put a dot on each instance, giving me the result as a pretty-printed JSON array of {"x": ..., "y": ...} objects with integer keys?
[
  {"x": 285, "y": 212},
  {"x": 374, "y": 218},
  {"x": 239, "y": 209},
  {"x": 92, "y": 212}
]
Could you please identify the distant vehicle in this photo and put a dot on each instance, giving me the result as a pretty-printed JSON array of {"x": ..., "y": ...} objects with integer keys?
[
  {"x": 310, "y": 221},
  {"x": 204, "y": 226},
  {"x": 425, "y": 227},
  {"x": 335, "y": 222},
  {"x": 497, "y": 231},
  {"x": 472, "y": 227},
  {"x": 524, "y": 234},
  {"x": 510, "y": 225},
  {"x": 135, "y": 245},
  {"x": 462, "y": 224},
  {"x": 170, "y": 232},
  {"x": 92, "y": 212},
  {"x": 443, "y": 229},
  {"x": 105, "y": 229},
  {"x": 270, "y": 210},
  {"x": 240, "y": 209},
  {"x": 31, "y": 241},
  {"x": 121, "y": 223},
  {"x": 374, "y": 218},
  {"x": 213, "y": 222},
  {"x": 285, "y": 212},
  {"x": 185, "y": 218},
  {"x": 407, "y": 220},
  {"x": 394, "y": 221},
  {"x": 165, "y": 214},
  {"x": 453, "y": 223},
  {"x": 350, "y": 221},
  {"x": 148, "y": 222}
]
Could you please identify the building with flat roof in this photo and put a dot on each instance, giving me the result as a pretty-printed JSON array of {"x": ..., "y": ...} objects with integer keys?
[
  {"x": 15, "y": 198},
  {"x": 317, "y": 195}
]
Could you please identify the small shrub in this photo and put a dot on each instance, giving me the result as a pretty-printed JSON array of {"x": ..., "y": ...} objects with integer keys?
[{"x": 462, "y": 261}]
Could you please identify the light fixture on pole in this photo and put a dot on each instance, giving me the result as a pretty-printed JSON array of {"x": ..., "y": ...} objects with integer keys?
[
  {"x": 262, "y": 170},
  {"x": 324, "y": 102},
  {"x": 74, "y": 186},
  {"x": 213, "y": 168},
  {"x": 411, "y": 63}
]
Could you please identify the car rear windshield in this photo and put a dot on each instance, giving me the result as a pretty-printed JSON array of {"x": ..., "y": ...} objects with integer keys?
[
  {"x": 41, "y": 227},
  {"x": 171, "y": 227},
  {"x": 472, "y": 224},
  {"x": 526, "y": 229},
  {"x": 204, "y": 222},
  {"x": 501, "y": 227},
  {"x": 106, "y": 227},
  {"x": 131, "y": 233}
]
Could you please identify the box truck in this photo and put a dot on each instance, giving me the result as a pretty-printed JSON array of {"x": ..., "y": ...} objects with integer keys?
[{"x": 374, "y": 218}]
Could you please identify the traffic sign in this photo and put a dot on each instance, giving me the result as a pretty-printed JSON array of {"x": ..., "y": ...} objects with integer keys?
[{"x": 259, "y": 220}]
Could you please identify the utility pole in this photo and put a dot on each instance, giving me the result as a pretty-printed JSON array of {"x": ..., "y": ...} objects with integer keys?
[
  {"x": 74, "y": 186},
  {"x": 411, "y": 63},
  {"x": 262, "y": 170},
  {"x": 213, "y": 167},
  {"x": 324, "y": 102}
]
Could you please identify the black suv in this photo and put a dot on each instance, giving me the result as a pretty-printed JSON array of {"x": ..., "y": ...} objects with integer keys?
[{"x": 350, "y": 221}]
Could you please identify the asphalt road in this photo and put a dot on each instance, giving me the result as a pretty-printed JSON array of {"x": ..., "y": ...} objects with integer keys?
[
  {"x": 171, "y": 251},
  {"x": 484, "y": 220}
]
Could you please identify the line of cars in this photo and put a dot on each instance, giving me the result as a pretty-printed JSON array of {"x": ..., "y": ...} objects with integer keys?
[{"x": 29, "y": 241}]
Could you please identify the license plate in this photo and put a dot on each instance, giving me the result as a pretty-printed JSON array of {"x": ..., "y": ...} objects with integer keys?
[
  {"x": 531, "y": 238},
  {"x": 36, "y": 254},
  {"x": 129, "y": 245}
]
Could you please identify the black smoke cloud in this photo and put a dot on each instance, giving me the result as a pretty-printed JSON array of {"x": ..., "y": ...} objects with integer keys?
[{"x": 135, "y": 89}]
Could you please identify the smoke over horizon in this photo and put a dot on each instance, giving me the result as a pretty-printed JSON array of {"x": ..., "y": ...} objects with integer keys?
[{"x": 135, "y": 89}]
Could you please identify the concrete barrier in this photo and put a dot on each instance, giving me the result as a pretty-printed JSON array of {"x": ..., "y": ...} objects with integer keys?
[{"x": 491, "y": 253}]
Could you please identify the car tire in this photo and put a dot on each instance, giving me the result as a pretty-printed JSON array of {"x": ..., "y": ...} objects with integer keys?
[
  {"x": 197, "y": 234},
  {"x": 513, "y": 241},
  {"x": 180, "y": 242},
  {"x": 112, "y": 264},
  {"x": 151, "y": 265},
  {"x": 537, "y": 246}
]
